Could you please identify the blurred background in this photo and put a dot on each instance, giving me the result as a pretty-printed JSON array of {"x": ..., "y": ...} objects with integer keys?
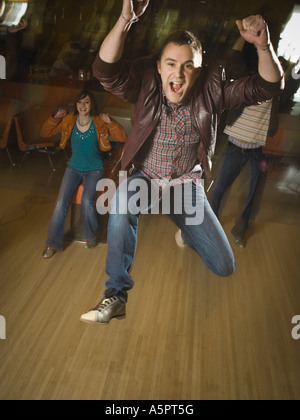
[
  {"x": 50, "y": 45},
  {"x": 63, "y": 36}
]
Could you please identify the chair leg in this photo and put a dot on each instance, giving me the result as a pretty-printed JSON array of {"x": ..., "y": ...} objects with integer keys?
[
  {"x": 10, "y": 158},
  {"x": 50, "y": 160},
  {"x": 66, "y": 154},
  {"x": 23, "y": 158}
]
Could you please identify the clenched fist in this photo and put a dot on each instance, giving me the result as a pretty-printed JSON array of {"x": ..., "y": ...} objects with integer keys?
[{"x": 255, "y": 30}]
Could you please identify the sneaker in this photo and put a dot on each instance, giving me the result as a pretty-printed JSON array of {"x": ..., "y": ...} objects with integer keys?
[
  {"x": 48, "y": 253},
  {"x": 178, "y": 238},
  {"x": 106, "y": 310}
]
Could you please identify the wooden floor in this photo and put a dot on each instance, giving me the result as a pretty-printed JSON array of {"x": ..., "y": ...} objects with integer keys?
[{"x": 188, "y": 335}]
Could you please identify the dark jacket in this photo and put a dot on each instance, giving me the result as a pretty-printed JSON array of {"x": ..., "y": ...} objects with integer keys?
[{"x": 139, "y": 83}]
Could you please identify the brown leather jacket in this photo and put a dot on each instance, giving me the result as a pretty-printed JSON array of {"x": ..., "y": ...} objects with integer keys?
[{"x": 139, "y": 83}]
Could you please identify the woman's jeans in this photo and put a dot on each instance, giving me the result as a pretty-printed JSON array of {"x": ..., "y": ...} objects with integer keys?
[
  {"x": 206, "y": 237},
  {"x": 235, "y": 160},
  {"x": 71, "y": 181}
]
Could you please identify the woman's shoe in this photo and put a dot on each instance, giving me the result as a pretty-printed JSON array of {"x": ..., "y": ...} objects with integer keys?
[
  {"x": 90, "y": 244},
  {"x": 48, "y": 253},
  {"x": 239, "y": 243},
  {"x": 179, "y": 241}
]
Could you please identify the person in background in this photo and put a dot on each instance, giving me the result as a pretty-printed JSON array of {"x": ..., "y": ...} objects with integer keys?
[
  {"x": 177, "y": 106},
  {"x": 248, "y": 129},
  {"x": 15, "y": 64},
  {"x": 89, "y": 133}
]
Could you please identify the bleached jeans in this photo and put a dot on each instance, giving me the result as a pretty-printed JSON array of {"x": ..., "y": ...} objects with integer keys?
[
  {"x": 71, "y": 181},
  {"x": 207, "y": 238}
]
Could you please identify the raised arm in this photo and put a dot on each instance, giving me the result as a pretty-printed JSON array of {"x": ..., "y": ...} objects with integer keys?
[
  {"x": 112, "y": 47},
  {"x": 255, "y": 30},
  {"x": 53, "y": 125},
  {"x": 115, "y": 129}
]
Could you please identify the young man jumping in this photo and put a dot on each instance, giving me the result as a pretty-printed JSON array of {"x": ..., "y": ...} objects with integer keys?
[{"x": 177, "y": 106}]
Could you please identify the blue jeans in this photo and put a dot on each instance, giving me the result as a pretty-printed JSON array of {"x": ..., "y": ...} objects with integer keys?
[
  {"x": 71, "y": 181},
  {"x": 235, "y": 160},
  {"x": 207, "y": 239}
]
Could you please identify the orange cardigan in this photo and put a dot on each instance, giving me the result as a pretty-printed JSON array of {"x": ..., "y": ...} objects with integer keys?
[{"x": 66, "y": 125}]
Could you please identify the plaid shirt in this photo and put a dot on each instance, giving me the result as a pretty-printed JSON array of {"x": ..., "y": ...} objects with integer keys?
[{"x": 172, "y": 154}]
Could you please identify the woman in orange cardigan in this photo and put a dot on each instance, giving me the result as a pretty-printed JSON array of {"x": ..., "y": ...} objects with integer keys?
[{"x": 89, "y": 133}]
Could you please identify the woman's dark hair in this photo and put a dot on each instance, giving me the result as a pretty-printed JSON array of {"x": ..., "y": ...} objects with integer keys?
[
  {"x": 182, "y": 38},
  {"x": 82, "y": 95}
]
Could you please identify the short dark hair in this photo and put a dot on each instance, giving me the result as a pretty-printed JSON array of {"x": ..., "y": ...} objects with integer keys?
[
  {"x": 182, "y": 38},
  {"x": 94, "y": 106}
]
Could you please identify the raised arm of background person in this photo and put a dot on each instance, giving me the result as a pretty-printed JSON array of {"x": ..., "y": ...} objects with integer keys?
[
  {"x": 255, "y": 30},
  {"x": 112, "y": 47}
]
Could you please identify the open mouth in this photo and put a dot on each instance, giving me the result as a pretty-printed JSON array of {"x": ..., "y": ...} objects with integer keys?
[{"x": 176, "y": 87}]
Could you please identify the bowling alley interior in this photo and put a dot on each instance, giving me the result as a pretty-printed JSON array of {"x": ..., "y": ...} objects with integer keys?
[{"x": 188, "y": 335}]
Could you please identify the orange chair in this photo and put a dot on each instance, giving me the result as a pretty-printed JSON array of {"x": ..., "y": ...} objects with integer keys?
[
  {"x": 8, "y": 107},
  {"x": 28, "y": 125},
  {"x": 4, "y": 139}
]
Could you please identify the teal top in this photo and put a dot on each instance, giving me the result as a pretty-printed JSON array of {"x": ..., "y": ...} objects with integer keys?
[{"x": 86, "y": 154}]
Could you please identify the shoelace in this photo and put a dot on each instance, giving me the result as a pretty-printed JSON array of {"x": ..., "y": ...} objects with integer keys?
[{"x": 104, "y": 303}]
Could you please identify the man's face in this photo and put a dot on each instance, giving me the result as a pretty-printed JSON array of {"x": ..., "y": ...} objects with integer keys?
[{"x": 179, "y": 67}]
